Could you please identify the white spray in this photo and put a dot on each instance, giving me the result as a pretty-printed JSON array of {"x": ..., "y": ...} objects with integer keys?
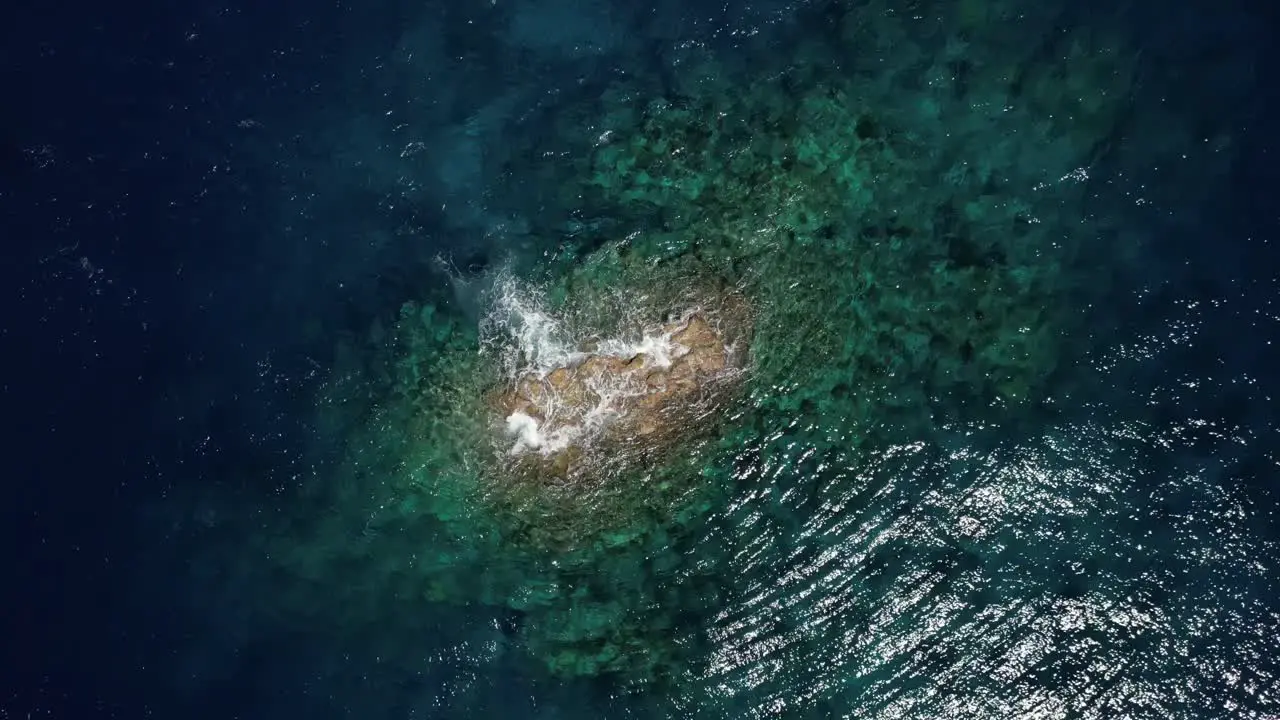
[{"x": 531, "y": 342}]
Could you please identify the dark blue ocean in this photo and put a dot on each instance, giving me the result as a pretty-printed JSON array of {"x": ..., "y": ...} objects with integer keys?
[{"x": 996, "y": 435}]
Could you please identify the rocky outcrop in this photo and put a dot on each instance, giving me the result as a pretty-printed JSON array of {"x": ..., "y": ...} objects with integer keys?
[{"x": 624, "y": 402}]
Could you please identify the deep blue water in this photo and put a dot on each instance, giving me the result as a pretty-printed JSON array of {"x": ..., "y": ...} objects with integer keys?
[{"x": 196, "y": 201}]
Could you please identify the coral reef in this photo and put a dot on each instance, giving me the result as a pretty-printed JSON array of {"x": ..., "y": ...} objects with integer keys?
[{"x": 865, "y": 253}]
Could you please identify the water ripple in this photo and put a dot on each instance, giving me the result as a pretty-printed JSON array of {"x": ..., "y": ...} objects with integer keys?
[{"x": 1073, "y": 574}]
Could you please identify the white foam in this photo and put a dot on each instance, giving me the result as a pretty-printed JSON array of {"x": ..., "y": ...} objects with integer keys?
[
  {"x": 528, "y": 435},
  {"x": 529, "y": 337},
  {"x": 525, "y": 430},
  {"x": 531, "y": 342},
  {"x": 658, "y": 350}
]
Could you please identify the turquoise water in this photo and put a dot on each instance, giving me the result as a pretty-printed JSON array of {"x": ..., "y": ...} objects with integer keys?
[{"x": 1002, "y": 444}]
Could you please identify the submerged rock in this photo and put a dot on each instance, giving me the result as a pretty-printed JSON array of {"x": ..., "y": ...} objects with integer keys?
[{"x": 615, "y": 401}]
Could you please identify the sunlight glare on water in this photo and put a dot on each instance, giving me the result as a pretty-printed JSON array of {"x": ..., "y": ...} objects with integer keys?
[{"x": 1072, "y": 574}]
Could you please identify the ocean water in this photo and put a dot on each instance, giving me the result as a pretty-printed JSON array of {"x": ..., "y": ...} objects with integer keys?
[{"x": 995, "y": 436}]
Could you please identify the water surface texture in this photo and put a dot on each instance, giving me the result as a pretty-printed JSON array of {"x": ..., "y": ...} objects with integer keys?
[{"x": 547, "y": 359}]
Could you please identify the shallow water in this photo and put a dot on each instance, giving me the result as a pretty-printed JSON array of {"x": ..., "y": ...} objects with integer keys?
[{"x": 1005, "y": 446}]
